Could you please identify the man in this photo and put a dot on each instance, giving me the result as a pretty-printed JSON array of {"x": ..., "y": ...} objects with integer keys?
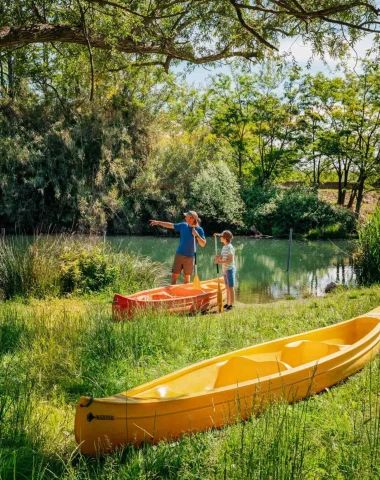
[{"x": 184, "y": 257}]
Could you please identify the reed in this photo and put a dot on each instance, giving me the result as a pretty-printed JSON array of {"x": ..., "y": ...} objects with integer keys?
[
  {"x": 54, "y": 266},
  {"x": 53, "y": 351},
  {"x": 367, "y": 255}
]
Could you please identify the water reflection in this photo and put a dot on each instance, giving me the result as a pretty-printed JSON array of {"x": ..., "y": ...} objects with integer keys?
[{"x": 261, "y": 264}]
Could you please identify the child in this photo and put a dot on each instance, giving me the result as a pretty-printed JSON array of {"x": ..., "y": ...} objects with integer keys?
[{"x": 227, "y": 260}]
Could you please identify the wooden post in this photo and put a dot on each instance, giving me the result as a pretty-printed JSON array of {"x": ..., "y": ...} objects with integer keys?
[{"x": 289, "y": 248}]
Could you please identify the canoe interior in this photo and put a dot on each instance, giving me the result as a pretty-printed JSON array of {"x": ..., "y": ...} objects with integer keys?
[
  {"x": 176, "y": 291},
  {"x": 258, "y": 362}
]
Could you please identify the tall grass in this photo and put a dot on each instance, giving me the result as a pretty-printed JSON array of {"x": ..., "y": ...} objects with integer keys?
[
  {"x": 53, "y": 352},
  {"x": 367, "y": 256},
  {"x": 24, "y": 271},
  {"x": 52, "y": 266}
]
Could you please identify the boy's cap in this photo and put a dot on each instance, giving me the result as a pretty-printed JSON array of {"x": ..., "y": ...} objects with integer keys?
[
  {"x": 227, "y": 235},
  {"x": 193, "y": 214}
]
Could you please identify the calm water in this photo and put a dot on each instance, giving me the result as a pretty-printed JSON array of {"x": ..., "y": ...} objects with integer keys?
[{"x": 261, "y": 264}]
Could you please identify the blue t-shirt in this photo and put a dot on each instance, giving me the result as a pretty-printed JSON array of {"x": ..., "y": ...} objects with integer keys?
[{"x": 186, "y": 243}]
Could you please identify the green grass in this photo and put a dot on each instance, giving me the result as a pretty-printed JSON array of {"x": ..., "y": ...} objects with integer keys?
[
  {"x": 53, "y": 351},
  {"x": 50, "y": 266}
]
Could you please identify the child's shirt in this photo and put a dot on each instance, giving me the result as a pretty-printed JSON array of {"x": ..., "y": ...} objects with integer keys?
[{"x": 228, "y": 250}]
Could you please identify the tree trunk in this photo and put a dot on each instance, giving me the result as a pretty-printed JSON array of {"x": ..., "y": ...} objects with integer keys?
[
  {"x": 360, "y": 195},
  {"x": 353, "y": 194},
  {"x": 2, "y": 80},
  {"x": 45, "y": 62},
  {"x": 340, "y": 190},
  {"x": 345, "y": 182},
  {"x": 240, "y": 162},
  {"x": 11, "y": 92}
]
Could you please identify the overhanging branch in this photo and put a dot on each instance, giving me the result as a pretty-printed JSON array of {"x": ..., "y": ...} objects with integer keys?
[{"x": 42, "y": 33}]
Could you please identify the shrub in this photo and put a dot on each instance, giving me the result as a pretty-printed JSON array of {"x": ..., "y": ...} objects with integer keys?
[
  {"x": 367, "y": 254},
  {"x": 215, "y": 194},
  {"x": 330, "y": 231},
  {"x": 300, "y": 208},
  {"x": 86, "y": 270}
]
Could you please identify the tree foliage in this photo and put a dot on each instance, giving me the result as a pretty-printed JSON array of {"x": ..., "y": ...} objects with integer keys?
[
  {"x": 300, "y": 209},
  {"x": 215, "y": 193},
  {"x": 94, "y": 136},
  {"x": 257, "y": 122},
  {"x": 197, "y": 31}
]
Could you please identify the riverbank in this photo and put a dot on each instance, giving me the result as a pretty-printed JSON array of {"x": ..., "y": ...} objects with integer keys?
[{"x": 54, "y": 351}]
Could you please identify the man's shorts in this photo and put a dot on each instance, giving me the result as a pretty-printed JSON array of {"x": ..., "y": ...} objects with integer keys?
[
  {"x": 229, "y": 277},
  {"x": 183, "y": 263}
]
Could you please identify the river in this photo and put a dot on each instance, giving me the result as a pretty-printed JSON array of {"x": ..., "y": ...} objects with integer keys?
[{"x": 261, "y": 264}]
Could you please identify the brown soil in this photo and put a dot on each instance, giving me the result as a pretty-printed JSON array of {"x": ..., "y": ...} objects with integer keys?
[{"x": 370, "y": 200}]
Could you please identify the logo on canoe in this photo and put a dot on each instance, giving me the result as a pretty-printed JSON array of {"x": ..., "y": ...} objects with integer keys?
[{"x": 91, "y": 417}]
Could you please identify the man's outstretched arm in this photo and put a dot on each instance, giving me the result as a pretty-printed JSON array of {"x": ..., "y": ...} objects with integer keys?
[{"x": 161, "y": 224}]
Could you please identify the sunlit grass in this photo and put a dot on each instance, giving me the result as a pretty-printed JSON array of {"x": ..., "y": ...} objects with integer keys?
[
  {"x": 51, "y": 352},
  {"x": 49, "y": 266}
]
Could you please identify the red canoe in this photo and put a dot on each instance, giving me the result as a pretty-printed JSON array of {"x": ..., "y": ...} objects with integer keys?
[{"x": 173, "y": 298}]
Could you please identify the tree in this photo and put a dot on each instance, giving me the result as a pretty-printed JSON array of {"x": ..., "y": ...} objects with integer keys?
[
  {"x": 197, "y": 31},
  {"x": 350, "y": 136},
  {"x": 310, "y": 123},
  {"x": 215, "y": 193},
  {"x": 231, "y": 111},
  {"x": 335, "y": 140},
  {"x": 363, "y": 107},
  {"x": 275, "y": 149},
  {"x": 257, "y": 123}
]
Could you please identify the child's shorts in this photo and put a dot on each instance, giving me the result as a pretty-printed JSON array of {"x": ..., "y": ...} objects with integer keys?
[{"x": 229, "y": 277}]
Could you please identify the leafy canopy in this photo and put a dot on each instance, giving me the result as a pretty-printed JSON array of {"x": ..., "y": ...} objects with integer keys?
[{"x": 197, "y": 31}]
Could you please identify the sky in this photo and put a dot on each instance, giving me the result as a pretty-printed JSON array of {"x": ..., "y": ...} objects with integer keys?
[{"x": 302, "y": 54}]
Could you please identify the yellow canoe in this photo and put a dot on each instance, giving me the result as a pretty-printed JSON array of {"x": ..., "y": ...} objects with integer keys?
[{"x": 232, "y": 386}]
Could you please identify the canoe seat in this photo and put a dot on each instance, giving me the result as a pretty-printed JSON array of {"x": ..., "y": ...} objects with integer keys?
[
  {"x": 242, "y": 369},
  {"x": 143, "y": 298},
  {"x": 207, "y": 288},
  {"x": 305, "y": 351},
  {"x": 154, "y": 296},
  {"x": 161, "y": 296},
  {"x": 185, "y": 292}
]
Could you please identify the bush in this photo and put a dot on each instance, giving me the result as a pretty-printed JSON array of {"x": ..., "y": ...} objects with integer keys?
[
  {"x": 299, "y": 208},
  {"x": 86, "y": 270},
  {"x": 367, "y": 254},
  {"x": 331, "y": 231}
]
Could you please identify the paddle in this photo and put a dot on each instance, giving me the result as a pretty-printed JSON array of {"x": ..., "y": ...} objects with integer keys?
[
  {"x": 196, "y": 281},
  {"x": 219, "y": 295}
]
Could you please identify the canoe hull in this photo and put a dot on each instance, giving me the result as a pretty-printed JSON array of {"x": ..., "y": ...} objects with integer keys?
[
  {"x": 141, "y": 415},
  {"x": 176, "y": 299}
]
